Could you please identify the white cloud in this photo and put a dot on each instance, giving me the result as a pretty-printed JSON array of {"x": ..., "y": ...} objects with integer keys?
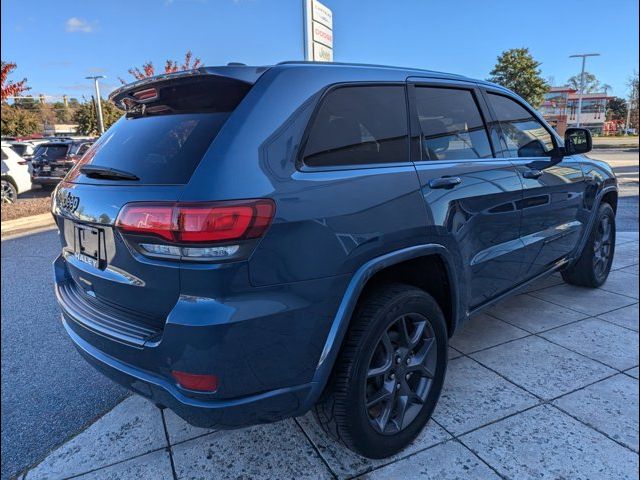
[{"x": 75, "y": 24}]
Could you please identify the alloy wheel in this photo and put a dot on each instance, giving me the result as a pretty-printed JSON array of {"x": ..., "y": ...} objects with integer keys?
[
  {"x": 8, "y": 193},
  {"x": 602, "y": 245},
  {"x": 400, "y": 373}
]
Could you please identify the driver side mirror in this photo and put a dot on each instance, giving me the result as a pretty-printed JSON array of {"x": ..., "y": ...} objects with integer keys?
[{"x": 577, "y": 141}]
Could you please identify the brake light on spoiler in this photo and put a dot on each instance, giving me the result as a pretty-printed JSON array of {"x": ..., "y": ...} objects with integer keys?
[{"x": 196, "y": 230}]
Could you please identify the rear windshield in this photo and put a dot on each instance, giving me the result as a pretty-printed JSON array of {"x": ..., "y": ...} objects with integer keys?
[
  {"x": 51, "y": 152},
  {"x": 19, "y": 149},
  {"x": 159, "y": 149}
]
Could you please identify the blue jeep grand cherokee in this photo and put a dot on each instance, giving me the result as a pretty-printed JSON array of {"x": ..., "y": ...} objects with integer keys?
[{"x": 248, "y": 243}]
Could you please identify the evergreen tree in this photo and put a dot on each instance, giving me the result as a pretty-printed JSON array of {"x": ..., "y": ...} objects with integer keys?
[{"x": 517, "y": 70}]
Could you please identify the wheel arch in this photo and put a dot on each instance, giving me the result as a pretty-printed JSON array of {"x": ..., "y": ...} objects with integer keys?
[
  {"x": 9, "y": 179},
  {"x": 367, "y": 276},
  {"x": 608, "y": 195}
]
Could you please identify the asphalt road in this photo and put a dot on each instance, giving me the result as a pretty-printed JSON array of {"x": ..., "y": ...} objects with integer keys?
[{"x": 49, "y": 393}]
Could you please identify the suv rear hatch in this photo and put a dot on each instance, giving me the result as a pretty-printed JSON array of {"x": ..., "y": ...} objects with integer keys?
[
  {"x": 51, "y": 160},
  {"x": 118, "y": 288}
]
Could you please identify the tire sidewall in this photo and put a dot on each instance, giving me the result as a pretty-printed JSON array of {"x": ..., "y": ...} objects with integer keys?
[
  {"x": 604, "y": 210},
  {"x": 365, "y": 438},
  {"x": 13, "y": 189}
]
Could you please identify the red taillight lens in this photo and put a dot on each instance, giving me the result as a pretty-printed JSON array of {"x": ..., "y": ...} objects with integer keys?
[
  {"x": 200, "y": 222},
  {"x": 148, "y": 219},
  {"x": 193, "y": 381},
  {"x": 205, "y": 224}
]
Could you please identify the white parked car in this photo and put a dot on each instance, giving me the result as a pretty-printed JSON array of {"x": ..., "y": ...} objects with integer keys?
[
  {"x": 25, "y": 148},
  {"x": 15, "y": 174}
]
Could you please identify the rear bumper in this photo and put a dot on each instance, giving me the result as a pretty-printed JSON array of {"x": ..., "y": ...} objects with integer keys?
[
  {"x": 46, "y": 180},
  {"x": 264, "y": 347},
  {"x": 232, "y": 413}
]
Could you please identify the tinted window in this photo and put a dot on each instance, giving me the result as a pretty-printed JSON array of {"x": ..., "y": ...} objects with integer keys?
[
  {"x": 452, "y": 127},
  {"x": 359, "y": 125},
  {"x": 4, "y": 155},
  {"x": 160, "y": 149},
  {"x": 19, "y": 149},
  {"x": 82, "y": 149},
  {"x": 51, "y": 152},
  {"x": 524, "y": 134}
]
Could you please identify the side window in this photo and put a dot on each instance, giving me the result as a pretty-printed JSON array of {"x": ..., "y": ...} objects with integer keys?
[
  {"x": 83, "y": 149},
  {"x": 524, "y": 134},
  {"x": 359, "y": 125},
  {"x": 452, "y": 127},
  {"x": 4, "y": 155}
]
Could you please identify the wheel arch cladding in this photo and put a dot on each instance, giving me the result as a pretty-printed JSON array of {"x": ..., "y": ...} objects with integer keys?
[{"x": 357, "y": 286}]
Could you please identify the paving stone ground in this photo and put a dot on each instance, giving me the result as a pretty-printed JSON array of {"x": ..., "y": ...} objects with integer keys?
[{"x": 542, "y": 385}]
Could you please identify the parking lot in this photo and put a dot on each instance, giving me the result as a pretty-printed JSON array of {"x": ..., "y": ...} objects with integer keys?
[{"x": 542, "y": 385}]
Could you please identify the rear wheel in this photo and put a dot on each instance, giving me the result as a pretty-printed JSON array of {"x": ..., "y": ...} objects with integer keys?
[
  {"x": 9, "y": 192},
  {"x": 389, "y": 374},
  {"x": 594, "y": 264}
]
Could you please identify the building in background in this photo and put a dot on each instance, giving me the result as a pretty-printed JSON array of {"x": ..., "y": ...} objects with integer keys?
[
  {"x": 60, "y": 129},
  {"x": 560, "y": 109}
]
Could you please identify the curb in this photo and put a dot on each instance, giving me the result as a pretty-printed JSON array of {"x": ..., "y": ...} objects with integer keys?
[
  {"x": 25, "y": 225},
  {"x": 608, "y": 146}
]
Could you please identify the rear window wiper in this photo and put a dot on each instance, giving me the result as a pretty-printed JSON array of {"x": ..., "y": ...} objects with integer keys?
[{"x": 107, "y": 173}]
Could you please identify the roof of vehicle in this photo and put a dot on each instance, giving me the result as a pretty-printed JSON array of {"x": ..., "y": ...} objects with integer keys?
[
  {"x": 68, "y": 141},
  {"x": 250, "y": 74}
]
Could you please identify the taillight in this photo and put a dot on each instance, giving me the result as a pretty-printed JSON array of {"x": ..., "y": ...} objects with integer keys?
[
  {"x": 148, "y": 219},
  {"x": 196, "y": 223}
]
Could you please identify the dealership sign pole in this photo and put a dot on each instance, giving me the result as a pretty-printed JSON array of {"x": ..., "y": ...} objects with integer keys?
[{"x": 318, "y": 32}]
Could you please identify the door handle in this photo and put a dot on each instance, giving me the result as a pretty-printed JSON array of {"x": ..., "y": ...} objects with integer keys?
[
  {"x": 445, "y": 182},
  {"x": 533, "y": 173}
]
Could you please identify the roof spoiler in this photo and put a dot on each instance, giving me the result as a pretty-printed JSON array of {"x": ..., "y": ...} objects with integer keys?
[{"x": 242, "y": 75}]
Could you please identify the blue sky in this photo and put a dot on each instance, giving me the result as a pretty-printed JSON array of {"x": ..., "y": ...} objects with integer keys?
[{"x": 57, "y": 43}]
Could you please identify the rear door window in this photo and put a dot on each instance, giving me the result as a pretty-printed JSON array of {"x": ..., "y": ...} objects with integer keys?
[
  {"x": 451, "y": 124},
  {"x": 358, "y": 125},
  {"x": 82, "y": 149},
  {"x": 524, "y": 134}
]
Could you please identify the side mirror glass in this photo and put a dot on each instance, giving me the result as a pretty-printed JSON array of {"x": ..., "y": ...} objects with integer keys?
[{"x": 577, "y": 141}]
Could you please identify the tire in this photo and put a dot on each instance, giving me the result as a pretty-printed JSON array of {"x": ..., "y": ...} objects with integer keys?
[
  {"x": 9, "y": 192},
  {"x": 374, "y": 333},
  {"x": 592, "y": 268}
]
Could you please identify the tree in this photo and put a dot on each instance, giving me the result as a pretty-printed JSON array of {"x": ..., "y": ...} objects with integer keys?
[
  {"x": 9, "y": 88},
  {"x": 64, "y": 114},
  {"x": 617, "y": 109},
  {"x": 517, "y": 70},
  {"x": 170, "y": 66},
  {"x": 591, "y": 83},
  {"x": 634, "y": 100},
  {"x": 18, "y": 122},
  {"x": 86, "y": 118}
]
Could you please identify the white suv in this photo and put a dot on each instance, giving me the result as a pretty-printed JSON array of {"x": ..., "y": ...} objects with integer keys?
[{"x": 15, "y": 174}]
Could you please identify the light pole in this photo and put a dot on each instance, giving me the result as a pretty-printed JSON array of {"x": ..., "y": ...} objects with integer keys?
[
  {"x": 584, "y": 58},
  {"x": 98, "y": 104},
  {"x": 626, "y": 124}
]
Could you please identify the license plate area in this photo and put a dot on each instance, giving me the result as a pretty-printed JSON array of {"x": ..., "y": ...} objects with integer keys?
[{"x": 89, "y": 245}]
